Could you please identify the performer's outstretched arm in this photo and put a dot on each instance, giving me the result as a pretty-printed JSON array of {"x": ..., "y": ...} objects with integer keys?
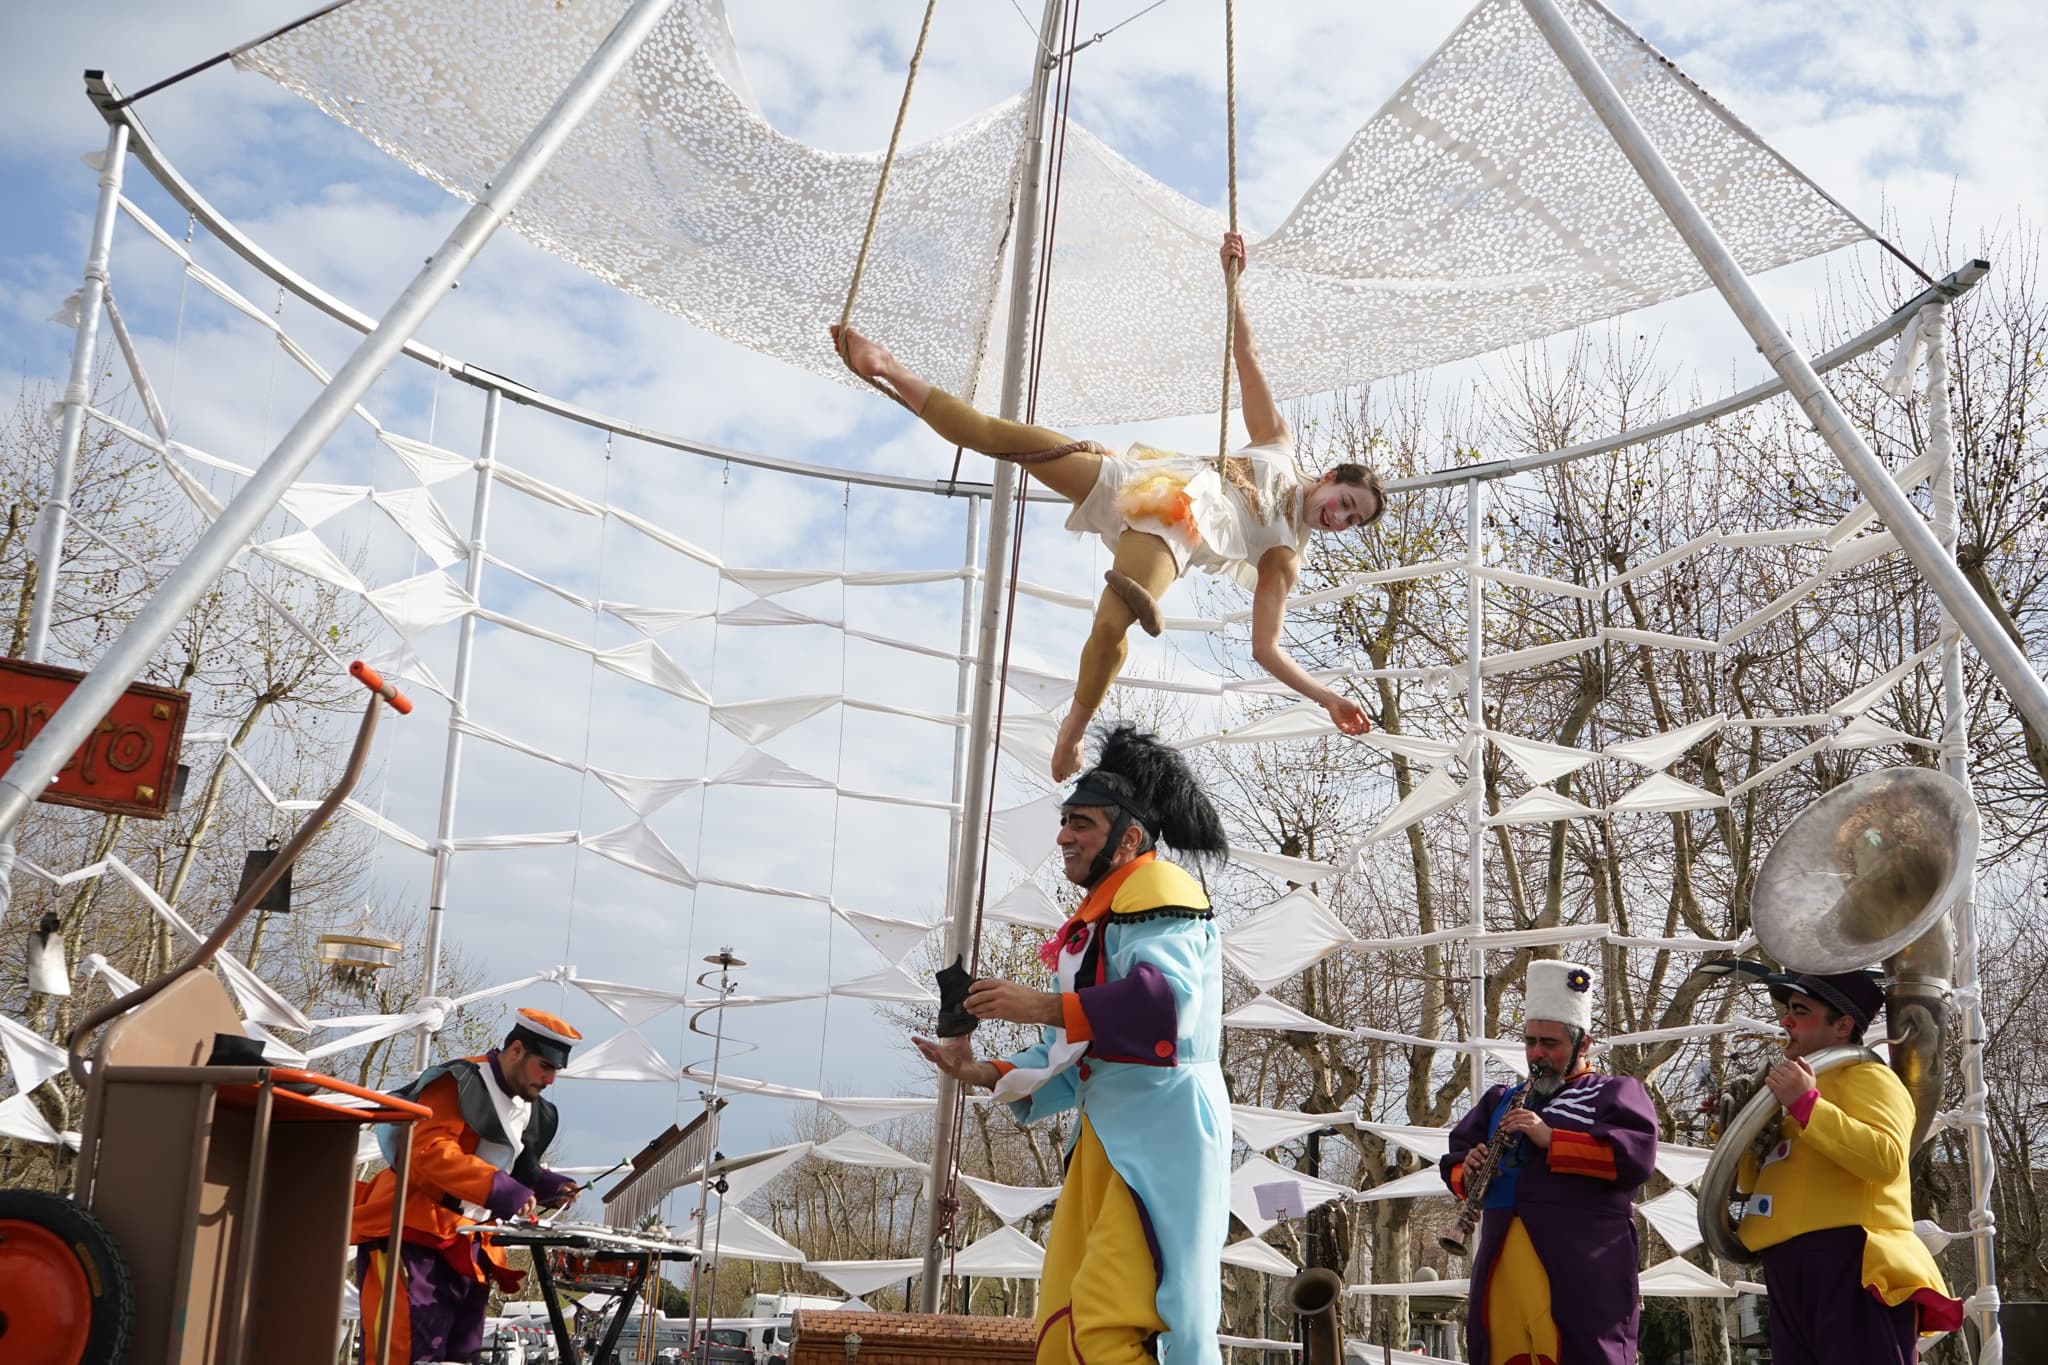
[
  {"x": 1279, "y": 570},
  {"x": 1262, "y": 419}
]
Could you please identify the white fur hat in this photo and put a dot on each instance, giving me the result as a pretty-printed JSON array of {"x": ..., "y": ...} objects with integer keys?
[{"x": 1559, "y": 992}]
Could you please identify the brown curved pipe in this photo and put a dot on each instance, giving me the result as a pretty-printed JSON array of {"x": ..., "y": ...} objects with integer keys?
[
  {"x": 1317, "y": 1297},
  {"x": 381, "y": 691}
]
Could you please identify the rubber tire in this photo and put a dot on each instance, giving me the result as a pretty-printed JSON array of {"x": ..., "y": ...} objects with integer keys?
[{"x": 106, "y": 1269}]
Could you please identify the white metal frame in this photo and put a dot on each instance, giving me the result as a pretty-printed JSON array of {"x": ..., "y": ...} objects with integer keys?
[{"x": 1930, "y": 548}]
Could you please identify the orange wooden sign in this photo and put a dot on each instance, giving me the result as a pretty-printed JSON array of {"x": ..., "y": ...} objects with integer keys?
[{"x": 129, "y": 764}]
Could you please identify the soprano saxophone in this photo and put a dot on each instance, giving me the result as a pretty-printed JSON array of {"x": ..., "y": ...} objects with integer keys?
[{"x": 1476, "y": 1183}]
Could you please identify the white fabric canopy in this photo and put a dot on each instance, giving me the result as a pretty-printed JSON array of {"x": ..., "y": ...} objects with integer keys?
[
  {"x": 1681, "y": 1279},
  {"x": 1254, "y": 1171},
  {"x": 1005, "y": 1251},
  {"x": 31, "y": 1058},
  {"x": 1010, "y": 1202},
  {"x": 1483, "y": 205},
  {"x": 19, "y": 1118},
  {"x": 1540, "y": 806},
  {"x": 1676, "y": 1216},
  {"x": 740, "y": 1238},
  {"x": 1253, "y": 1254},
  {"x": 1662, "y": 750},
  {"x": 1423, "y": 1184},
  {"x": 1263, "y": 1011},
  {"x": 1264, "y": 1128},
  {"x": 864, "y": 1277},
  {"x": 1663, "y": 792},
  {"x": 862, "y": 1113},
  {"x": 1283, "y": 937},
  {"x": 857, "y": 1148}
]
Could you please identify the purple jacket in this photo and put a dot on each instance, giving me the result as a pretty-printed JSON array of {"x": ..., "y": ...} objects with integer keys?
[{"x": 1577, "y": 1203}]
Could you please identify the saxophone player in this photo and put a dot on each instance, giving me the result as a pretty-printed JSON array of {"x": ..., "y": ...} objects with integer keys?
[{"x": 1554, "y": 1276}]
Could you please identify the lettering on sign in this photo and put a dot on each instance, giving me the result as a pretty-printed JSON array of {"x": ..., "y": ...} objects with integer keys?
[{"x": 127, "y": 766}]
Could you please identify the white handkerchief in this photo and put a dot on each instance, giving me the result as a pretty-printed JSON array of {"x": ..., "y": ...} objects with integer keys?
[{"x": 1023, "y": 1082}]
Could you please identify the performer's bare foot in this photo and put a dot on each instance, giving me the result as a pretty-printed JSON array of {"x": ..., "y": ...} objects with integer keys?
[
  {"x": 872, "y": 360},
  {"x": 1067, "y": 747}
]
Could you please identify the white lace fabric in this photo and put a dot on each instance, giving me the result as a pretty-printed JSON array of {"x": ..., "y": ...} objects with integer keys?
[{"x": 1483, "y": 205}]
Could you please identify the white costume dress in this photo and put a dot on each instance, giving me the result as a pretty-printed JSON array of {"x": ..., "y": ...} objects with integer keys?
[{"x": 1215, "y": 524}]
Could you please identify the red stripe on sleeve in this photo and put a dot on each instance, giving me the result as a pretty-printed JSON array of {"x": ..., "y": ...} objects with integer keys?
[{"x": 1581, "y": 1154}]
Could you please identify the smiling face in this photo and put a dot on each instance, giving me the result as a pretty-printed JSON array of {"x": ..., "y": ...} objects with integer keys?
[
  {"x": 1332, "y": 506},
  {"x": 1811, "y": 1025},
  {"x": 1083, "y": 832}
]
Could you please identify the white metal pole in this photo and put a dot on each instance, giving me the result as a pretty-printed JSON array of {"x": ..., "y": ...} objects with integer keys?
[
  {"x": 726, "y": 962},
  {"x": 1475, "y": 795},
  {"x": 2006, "y": 659},
  {"x": 980, "y": 761},
  {"x": 1955, "y": 761},
  {"x": 458, "y": 710},
  {"x": 964, "y": 687},
  {"x": 130, "y": 653},
  {"x": 77, "y": 396}
]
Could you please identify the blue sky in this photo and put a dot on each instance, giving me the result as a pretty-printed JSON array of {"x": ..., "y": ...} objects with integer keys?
[{"x": 1897, "y": 109}]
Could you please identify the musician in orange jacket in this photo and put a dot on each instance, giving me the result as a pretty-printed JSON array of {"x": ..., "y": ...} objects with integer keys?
[{"x": 477, "y": 1158}]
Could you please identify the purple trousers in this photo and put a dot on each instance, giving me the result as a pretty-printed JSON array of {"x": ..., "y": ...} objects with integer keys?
[
  {"x": 1821, "y": 1311},
  {"x": 439, "y": 1314}
]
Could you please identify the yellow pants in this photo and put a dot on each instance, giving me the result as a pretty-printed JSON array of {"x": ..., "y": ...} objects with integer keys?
[
  {"x": 1519, "y": 1328},
  {"x": 1097, "y": 1293},
  {"x": 1140, "y": 556}
]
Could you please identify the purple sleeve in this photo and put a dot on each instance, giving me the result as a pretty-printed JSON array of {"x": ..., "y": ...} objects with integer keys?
[
  {"x": 1471, "y": 1131},
  {"x": 1133, "y": 1019},
  {"x": 551, "y": 1186},
  {"x": 508, "y": 1196},
  {"x": 1628, "y": 1122}
]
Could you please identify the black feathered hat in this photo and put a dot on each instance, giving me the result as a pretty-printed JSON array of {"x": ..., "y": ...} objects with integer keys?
[{"x": 1147, "y": 783}]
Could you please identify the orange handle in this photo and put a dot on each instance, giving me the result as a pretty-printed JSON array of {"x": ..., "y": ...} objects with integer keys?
[{"x": 372, "y": 679}]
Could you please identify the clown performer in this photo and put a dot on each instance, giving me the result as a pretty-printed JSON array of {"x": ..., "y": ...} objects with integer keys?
[
  {"x": 1162, "y": 512},
  {"x": 477, "y": 1158},
  {"x": 1133, "y": 1269},
  {"x": 1554, "y": 1277},
  {"x": 1831, "y": 1208}
]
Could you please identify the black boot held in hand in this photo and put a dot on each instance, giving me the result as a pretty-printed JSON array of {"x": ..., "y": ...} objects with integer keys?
[{"x": 954, "y": 1020}]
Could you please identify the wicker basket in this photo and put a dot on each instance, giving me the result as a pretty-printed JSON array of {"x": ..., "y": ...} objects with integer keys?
[{"x": 835, "y": 1337}]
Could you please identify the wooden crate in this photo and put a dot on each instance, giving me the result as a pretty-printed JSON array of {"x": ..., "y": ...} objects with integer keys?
[{"x": 828, "y": 1337}]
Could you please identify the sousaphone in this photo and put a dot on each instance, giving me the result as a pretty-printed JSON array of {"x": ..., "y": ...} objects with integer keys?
[{"x": 1866, "y": 874}]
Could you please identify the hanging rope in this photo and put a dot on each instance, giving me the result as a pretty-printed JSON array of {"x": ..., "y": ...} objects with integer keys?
[
  {"x": 867, "y": 240},
  {"x": 1231, "y": 269},
  {"x": 1062, "y": 98}
]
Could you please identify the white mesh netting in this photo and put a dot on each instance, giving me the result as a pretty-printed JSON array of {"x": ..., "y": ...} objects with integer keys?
[{"x": 1483, "y": 205}]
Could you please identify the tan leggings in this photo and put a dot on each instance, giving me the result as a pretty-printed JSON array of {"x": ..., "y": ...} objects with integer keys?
[{"x": 1069, "y": 468}]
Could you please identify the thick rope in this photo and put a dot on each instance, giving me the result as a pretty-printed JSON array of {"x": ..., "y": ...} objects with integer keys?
[
  {"x": 1230, "y": 272},
  {"x": 867, "y": 240}
]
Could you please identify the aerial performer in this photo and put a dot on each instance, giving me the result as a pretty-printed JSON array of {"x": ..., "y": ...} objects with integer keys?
[
  {"x": 1561, "y": 1157},
  {"x": 1162, "y": 512},
  {"x": 476, "y": 1159},
  {"x": 1831, "y": 1206},
  {"x": 1131, "y": 1039}
]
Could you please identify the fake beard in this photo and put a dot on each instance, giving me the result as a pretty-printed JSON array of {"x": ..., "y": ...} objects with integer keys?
[{"x": 1544, "y": 1082}]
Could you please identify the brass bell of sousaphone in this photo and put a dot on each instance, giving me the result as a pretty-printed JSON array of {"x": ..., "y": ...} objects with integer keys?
[{"x": 1866, "y": 874}]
